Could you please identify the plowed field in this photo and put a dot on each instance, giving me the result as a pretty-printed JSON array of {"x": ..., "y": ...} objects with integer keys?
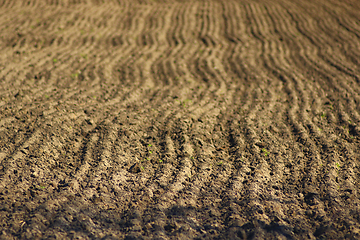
[{"x": 201, "y": 119}]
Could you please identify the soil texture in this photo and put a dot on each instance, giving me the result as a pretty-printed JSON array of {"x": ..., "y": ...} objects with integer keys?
[{"x": 201, "y": 119}]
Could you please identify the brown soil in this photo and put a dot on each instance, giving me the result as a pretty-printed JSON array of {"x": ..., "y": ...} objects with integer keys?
[{"x": 146, "y": 119}]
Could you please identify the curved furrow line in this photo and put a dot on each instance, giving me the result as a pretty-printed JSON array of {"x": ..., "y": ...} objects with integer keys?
[
  {"x": 157, "y": 184},
  {"x": 313, "y": 94},
  {"x": 124, "y": 67},
  {"x": 57, "y": 153},
  {"x": 161, "y": 154},
  {"x": 199, "y": 84},
  {"x": 271, "y": 46},
  {"x": 335, "y": 85},
  {"x": 349, "y": 173},
  {"x": 138, "y": 60},
  {"x": 293, "y": 83},
  {"x": 160, "y": 179},
  {"x": 75, "y": 181},
  {"x": 171, "y": 179},
  {"x": 15, "y": 159},
  {"x": 85, "y": 29},
  {"x": 255, "y": 45},
  {"x": 340, "y": 176},
  {"x": 319, "y": 43},
  {"x": 268, "y": 108},
  {"x": 327, "y": 143},
  {"x": 313, "y": 192},
  {"x": 184, "y": 166},
  {"x": 203, "y": 24},
  {"x": 251, "y": 160},
  {"x": 114, "y": 18},
  {"x": 159, "y": 71},
  {"x": 12, "y": 4},
  {"x": 183, "y": 49},
  {"x": 349, "y": 25},
  {"x": 283, "y": 203},
  {"x": 213, "y": 64},
  {"x": 93, "y": 185},
  {"x": 148, "y": 41},
  {"x": 207, "y": 71},
  {"x": 345, "y": 5},
  {"x": 59, "y": 23},
  {"x": 33, "y": 3},
  {"x": 135, "y": 24},
  {"x": 259, "y": 30},
  {"x": 40, "y": 58},
  {"x": 166, "y": 67},
  {"x": 199, "y": 57},
  {"x": 225, "y": 89},
  {"x": 264, "y": 27},
  {"x": 4, "y": 3},
  {"x": 303, "y": 176},
  {"x": 299, "y": 125},
  {"x": 216, "y": 172},
  {"x": 307, "y": 26},
  {"x": 342, "y": 7},
  {"x": 173, "y": 35},
  {"x": 274, "y": 54},
  {"x": 35, "y": 169},
  {"x": 187, "y": 80},
  {"x": 257, "y": 152},
  {"x": 52, "y": 30},
  {"x": 346, "y": 87},
  {"x": 233, "y": 24},
  {"x": 196, "y": 191},
  {"x": 165, "y": 173},
  {"x": 249, "y": 184},
  {"x": 123, "y": 4},
  {"x": 207, "y": 35},
  {"x": 101, "y": 60},
  {"x": 253, "y": 20},
  {"x": 202, "y": 64},
  {"x": 340, "y": 63},
  {"x": 238, "y": 183},
  {"x": 348, "y": 48},
  {"x": 292, "y": 49},
  {"x": 100, "y": 73},
  {"x": 128, "y": 22},
  {"x": 300, "y": 59},
  {"x": 122, "y": 23},
  {"x": 346, "y": 91}
]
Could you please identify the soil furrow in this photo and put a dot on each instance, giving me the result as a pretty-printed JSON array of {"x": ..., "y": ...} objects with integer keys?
[{"x": 179, "y": 119}]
